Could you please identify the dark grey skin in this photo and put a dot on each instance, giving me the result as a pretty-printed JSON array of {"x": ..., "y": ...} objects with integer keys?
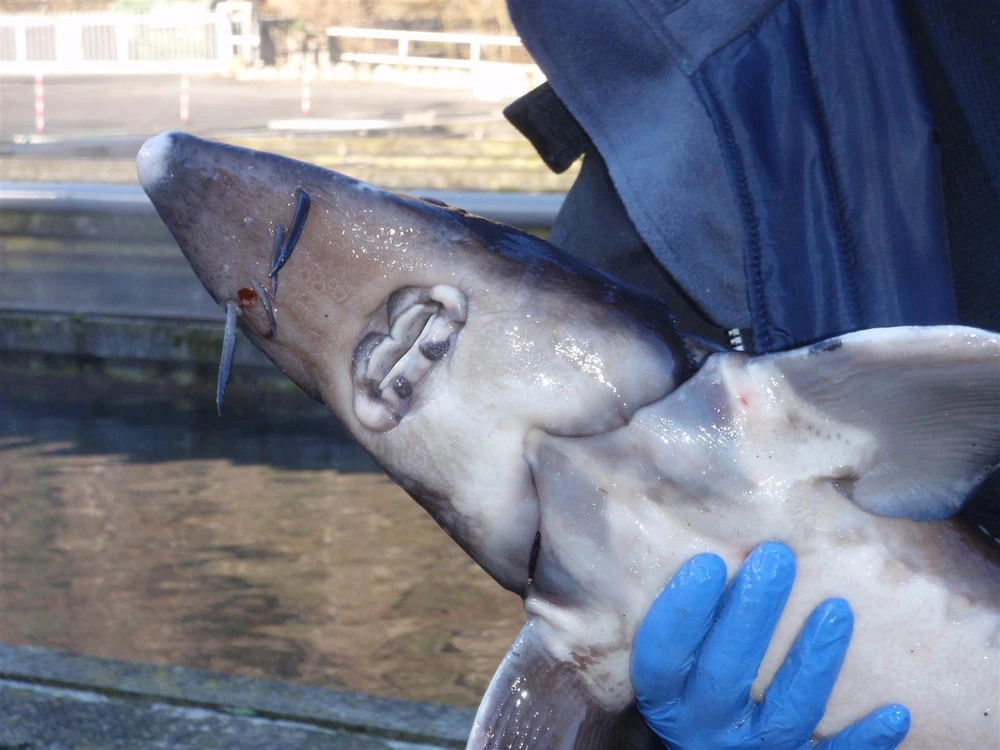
[
  {"x": 557, "y": 427},
  {"x": 223, "y": 204}
]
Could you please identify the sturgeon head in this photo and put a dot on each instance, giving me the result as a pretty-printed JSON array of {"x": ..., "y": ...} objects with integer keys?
[
  {"x": 438, "y": 339},
  {"x": 549, "y": 421}
]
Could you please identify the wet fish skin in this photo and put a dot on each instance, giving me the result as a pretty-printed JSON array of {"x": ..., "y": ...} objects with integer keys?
[
  {"x": 565, "y": 347},
  {"x": 834, "y": 450},
  {"x": 549, "y": 419}
]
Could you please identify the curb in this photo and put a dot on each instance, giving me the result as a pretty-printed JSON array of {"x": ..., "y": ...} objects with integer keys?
[{"x": 109, "y": 699}]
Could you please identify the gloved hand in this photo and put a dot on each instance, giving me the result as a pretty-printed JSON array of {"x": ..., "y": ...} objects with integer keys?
[{"x": 694, "y": 659}]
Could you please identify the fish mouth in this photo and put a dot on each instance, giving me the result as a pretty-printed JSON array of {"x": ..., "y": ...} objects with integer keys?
[{"x": 414, "y": 330}]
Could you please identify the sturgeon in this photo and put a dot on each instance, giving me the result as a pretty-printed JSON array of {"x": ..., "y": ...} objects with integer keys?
[{"x": 560, "y": 430}]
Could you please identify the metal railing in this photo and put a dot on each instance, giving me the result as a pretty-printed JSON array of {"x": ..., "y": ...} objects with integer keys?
[
  {"x": 529, "y": 210},
  {"x": 178, "y": 42},
  {"x": 403, "y": 55},
  {"x": 192, "y": 41}
]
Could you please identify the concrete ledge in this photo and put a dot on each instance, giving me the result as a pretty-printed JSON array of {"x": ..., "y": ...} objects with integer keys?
[
  {"x": 54, "y": 699},
  {"x": 188, "y": 341}
]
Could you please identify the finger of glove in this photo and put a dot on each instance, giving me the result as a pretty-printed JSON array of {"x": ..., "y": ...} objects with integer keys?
[
  {"x": 731, "y": 654},
  {"x": 883, "y": 729},
  {"x": 796, "y": 699},
  {"x": 675, "y": 625}
]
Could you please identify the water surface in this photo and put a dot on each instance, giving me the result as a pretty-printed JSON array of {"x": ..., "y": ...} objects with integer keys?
[{"x": 135, "y": 524}]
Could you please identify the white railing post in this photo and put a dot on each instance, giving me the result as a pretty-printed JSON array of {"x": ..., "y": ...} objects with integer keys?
[
  {"x": 20, "y": 41},
  {"x": 224, "y": 38},
  {"x": 238, "y": 14},
  {"x": 68, "y": 35},
  {"x": 475, "y": 55},
  {"x": 123, "y": 34},
  {"x": 402, "y": 49}
]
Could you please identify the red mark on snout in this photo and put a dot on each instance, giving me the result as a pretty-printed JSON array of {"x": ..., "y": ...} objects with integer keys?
[
  {"x": 744, "y": 400},
  {"x": 247, "y": 297}
]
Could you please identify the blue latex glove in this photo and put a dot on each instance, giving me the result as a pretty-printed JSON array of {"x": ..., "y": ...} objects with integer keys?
[{"x": 694, "y": 659}]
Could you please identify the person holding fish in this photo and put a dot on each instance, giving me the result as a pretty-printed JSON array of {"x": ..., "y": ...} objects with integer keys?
[
  {"x": 743, "y": 163},
  {"x": 701, "y": 644},
  {"x": 481, "y": 384},
  {"x": 580, "y": 446}
]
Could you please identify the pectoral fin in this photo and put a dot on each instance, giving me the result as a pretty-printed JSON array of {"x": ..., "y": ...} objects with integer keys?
[
  {"x": 930, "y": 399},
  {"x": 535, "y": 701},
  {"x": 904, "y": 421}
]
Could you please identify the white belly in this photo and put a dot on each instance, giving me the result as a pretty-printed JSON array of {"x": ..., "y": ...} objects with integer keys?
[
  {"x": 927, "y": 606},
  {"x": 792, "y": 447}
]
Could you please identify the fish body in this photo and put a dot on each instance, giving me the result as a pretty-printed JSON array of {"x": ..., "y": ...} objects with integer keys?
[
  {"x": 555, "y": 424},
  {"x": 757, "y": 449}
]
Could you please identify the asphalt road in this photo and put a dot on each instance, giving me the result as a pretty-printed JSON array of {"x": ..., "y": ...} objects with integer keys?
[{"x": 91, "y": 107}]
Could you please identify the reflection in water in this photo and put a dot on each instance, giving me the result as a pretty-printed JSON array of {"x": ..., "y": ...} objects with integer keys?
[{"x": 259, "y": 545}]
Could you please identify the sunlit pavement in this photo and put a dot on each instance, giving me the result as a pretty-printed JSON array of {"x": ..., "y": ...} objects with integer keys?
[{"x": 81, "y": 107}]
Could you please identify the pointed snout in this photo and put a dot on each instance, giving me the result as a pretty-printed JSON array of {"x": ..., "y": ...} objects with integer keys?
[
  {"x": 226, "y": 206},
  {"x": 153, "y": 162},
  {"x": 342, "y": 247}
]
